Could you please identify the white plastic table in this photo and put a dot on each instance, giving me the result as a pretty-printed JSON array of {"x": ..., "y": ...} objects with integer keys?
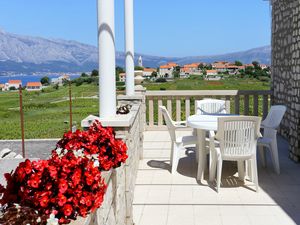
[{"x": 203, "y": 123}]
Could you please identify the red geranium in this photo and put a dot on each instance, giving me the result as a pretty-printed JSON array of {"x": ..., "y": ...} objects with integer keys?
[{"x": 69, "y": 184}]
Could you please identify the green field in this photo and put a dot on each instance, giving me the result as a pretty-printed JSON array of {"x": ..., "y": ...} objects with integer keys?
[
  {"x": 196, "y": 83},
  {"x": 46, "y": 113}
]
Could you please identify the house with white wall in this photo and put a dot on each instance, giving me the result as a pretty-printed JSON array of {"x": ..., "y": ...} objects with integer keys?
[
  {"x": 15, "y": 84},
  {"x": 60, "y": 80},
  {"x": 167, "y": 70},
  {"x": 33, "y": 86}
]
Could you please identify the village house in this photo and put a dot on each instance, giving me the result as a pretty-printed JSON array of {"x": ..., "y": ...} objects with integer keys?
[
  {"x": 264, "y": 66},
  {"x": 212, "y": 75},
  {"x": 167, "y": 70},
  {"x": 122, "y": 77},
  {"x": 2, "y": 86},
  {"x": 147, "y": 73},
  {"x": 234, "y": 69},
  {"x": 221, "y": 67},
  {"x": 190, "y": 69},
  {"x": 33, "y": 86},
  {"x": 60, "y": 80},
  {"x": 12, "y": 85}
]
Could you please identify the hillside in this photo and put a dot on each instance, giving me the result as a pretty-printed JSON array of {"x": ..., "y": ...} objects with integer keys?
[{"x": 25, "y": 54}]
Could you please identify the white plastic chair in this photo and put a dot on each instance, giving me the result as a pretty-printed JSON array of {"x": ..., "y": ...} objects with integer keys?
[
  {"x": 237, "y": 138},
  {"x": 177, "y": 142},
  {"x": 269, "y": 139},
  {"x": 211, "y": 106}
]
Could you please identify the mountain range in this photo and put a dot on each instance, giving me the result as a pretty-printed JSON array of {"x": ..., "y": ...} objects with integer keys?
[{"x": 26, "y": 54}]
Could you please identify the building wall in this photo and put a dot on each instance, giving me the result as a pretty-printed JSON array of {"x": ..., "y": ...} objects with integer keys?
[
  {"x": 286, "y": 68},
  {"x": 163, "y": 72}
]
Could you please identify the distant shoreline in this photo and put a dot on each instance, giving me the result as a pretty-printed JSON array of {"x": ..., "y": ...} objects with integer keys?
[{"x": 31, "y": 78}]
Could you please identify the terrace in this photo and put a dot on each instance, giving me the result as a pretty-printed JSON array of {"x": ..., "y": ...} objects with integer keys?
[
  {"x": 162, "y": 198},
  {"x": 143, "y": 191}
]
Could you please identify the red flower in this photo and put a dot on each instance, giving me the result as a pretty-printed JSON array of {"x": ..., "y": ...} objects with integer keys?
[
  {"x": 34, "y": 181},
  {"x": 68, "y": 210},
  {"x": 63, "y": 186},
  {"x": 53, "y": 172},
  {"x": 61, "y": 199},
  {"x": 44, "y": 201}
]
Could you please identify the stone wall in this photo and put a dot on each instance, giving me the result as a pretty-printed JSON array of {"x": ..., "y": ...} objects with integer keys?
[
  {"x": 117, "y": 206},
  {"x": 286, "y": 68}
]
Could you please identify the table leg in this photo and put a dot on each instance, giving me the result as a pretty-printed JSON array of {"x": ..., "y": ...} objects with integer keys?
[{"x": 201, "y": 153}]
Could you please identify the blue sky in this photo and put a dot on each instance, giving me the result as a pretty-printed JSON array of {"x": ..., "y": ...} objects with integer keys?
[{"x": 162, "y": 27}]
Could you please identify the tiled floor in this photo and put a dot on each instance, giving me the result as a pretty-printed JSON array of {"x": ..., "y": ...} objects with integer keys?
[{"x": 165, "y": 199}]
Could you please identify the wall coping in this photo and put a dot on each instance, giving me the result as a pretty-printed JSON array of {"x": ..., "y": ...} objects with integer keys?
[{"x": 125, "y": 120}]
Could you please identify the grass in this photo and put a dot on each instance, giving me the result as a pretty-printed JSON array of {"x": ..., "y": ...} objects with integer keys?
[
  {"x": 196, "y": 83},
  {"x": 45, "y": 113}
]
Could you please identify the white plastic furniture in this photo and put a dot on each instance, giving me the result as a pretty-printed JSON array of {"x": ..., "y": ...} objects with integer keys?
[
  {"x": 202, "y": 124},
  {"x": 269, "y": 139},
  {"x": 210, "y": 106},
  {"x": 237, "y": 138},
  {"x": 177, "y": 142}
]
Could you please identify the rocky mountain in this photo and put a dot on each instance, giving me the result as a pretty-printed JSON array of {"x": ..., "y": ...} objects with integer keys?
[{"x": 25, "y": 54}]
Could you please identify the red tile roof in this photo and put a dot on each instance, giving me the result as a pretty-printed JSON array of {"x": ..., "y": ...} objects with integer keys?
[
  {"x": 211, "y": 71},
  {"x": 15, "y": 82},
  {"x": 149, "y": 70},
  {"x": 168, "y": 66},
  {"x": 33, "y": 84}
]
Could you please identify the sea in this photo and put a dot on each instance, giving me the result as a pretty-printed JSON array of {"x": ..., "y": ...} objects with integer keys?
[{"x": 32, "y": 78}]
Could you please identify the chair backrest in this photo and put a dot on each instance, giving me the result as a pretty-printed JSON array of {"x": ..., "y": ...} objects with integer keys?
[
  {"x": 238, "y": 135},
  {"x": 211, "y": 106},
  {"x": 274, "y": 117},
  {"x": 169, "y": 122}
]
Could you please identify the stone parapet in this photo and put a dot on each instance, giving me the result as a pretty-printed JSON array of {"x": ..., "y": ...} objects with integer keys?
[{"x": 117, "y": 206}]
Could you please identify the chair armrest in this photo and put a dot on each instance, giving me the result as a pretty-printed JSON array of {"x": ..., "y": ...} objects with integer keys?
[
  {"x": 180, "y": 123},
  {"x": 259, "y": 135},
  {"x": 262, "y": 126}
]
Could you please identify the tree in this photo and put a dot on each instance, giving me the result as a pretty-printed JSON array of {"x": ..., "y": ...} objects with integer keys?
[
  {"x": 45, "y": 81},
  {"x": 208, "y": 67},
  {"x": 256, "y": 64},
  {"x": 138, "y": 68},
  {"x": 176, "y": 74},
  {"x": 84, "y": 75},
  {"x": 201, "y": 66},
  {"x": 249, "y": 70},
  {"x": 161, "y": 80},
  {"x": 238, "y": 63},
  {"x": 95, "y": 73},
  {"x": 154, "y": 74}
]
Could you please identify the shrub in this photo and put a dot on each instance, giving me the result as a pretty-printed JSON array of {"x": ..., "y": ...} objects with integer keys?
[
  {"x": 161, "y": 80},
  {"x": 120, "y": 83},
  {"x": 12, "y": 88}
]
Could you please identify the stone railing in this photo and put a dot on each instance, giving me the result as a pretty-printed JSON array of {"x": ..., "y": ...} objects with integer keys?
[
  {"x": 181, "y": 104},
  {"x": 117, "y": 206}
]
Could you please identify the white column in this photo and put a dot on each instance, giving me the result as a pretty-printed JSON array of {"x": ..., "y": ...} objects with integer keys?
[
  {"x": 129, "y": 47},
  {"x": 106, "y": 45}
]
